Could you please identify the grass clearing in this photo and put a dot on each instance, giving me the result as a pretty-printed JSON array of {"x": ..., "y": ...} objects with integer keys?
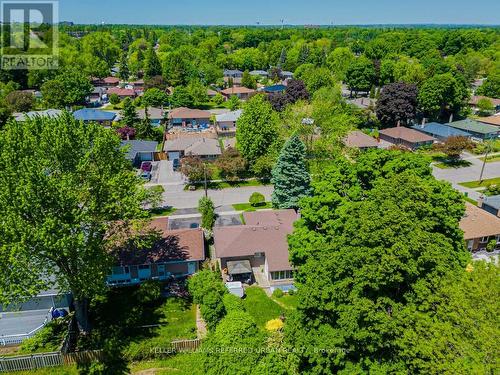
[
  {"x": 180, "y": 364},
  {"x": 162, "y": 211},
  {"x": 287, "y": 301},
  {"x": 260, "y": 306},
  {"x": 247, "y": 207},
  {"x": 229, "y": 184},
  {"x": 485, "y": 183},
  {"x": 492, "y": 159}
]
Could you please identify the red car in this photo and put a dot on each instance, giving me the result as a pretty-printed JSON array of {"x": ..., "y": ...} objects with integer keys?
[{"x": 146, "y": 166}]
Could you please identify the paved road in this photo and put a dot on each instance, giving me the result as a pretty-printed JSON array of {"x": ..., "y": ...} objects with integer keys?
[
  {"x": 471, "y": 173},
  {"x": 177, "y": 197}
]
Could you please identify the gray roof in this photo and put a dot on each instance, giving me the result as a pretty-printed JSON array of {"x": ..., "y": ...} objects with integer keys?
[
  {"x": 239, "y": 267},
  {"x": 194, "y": 146},
  {"x": 259, "y": 73},
  {"x": 30, "y": 115},
  {"x": 474, "y": 126},
  {"x": 493, "y": 201},
  {"x": 153, "y": 113},
  {"x": 137, "y": 146},
  {"x": 229, "y": 116}
]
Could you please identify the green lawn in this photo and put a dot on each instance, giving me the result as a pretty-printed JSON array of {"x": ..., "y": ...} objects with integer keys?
[
  {"x": 247, "y": 207},
  {"x": 476, "y": 184},
  {"x": 260, "y": 306},
  {"x": 60, "y": 370},
  {"x": 180, "y": 364},
  {"x": 492, "y": 159},
  {"x": 162, "y": 211},
  {"x": 453, "y": 164},
  {"x": 226, "y": 185},
  {"x": 138, "y": 324},
  {"x": 470, "y": 200},
  {"x": 287, "y": 301}
]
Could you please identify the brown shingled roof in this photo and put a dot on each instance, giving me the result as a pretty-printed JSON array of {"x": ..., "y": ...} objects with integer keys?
[
  {"x": 265, "y": 231},
  {"x": 183, "y": 112},
  {"x": 478, "y": 223},
  {"x": 491, "y": 120},
  {"x": 237, "y": 90},
  {"x": 359, "y": 139},
  {"x": 406, "y": 134}
]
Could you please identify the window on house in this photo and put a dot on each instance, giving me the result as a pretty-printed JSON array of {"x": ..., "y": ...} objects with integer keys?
[
  {"x": 497, "y": 237},
  {"x": 144, "y": 267},
  {"x": 281, "y": 275},
  {"x": 484, "y": 239},
  {"x": 118, "y": 271}
]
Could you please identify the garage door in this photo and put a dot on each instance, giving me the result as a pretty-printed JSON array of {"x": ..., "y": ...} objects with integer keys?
[{"x": 174, "y": 155}]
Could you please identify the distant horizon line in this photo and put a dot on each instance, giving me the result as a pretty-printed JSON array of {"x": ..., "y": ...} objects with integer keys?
[{"x": 280, "y": 25}]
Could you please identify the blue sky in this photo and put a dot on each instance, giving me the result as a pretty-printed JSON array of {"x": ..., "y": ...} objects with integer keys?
[{"x": 249, "y": 12}]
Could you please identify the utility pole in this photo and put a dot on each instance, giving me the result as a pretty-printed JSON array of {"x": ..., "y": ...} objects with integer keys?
[
  {"x": 205, "y": 171},
  {"x": 488, "y": 149}
]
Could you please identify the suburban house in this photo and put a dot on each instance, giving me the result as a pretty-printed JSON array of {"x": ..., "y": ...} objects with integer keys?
[
  {"x": 478, "y": 129},
  {"x": 490, "y": 120},
  {"x": 257, "y": 250},
  {"x": 157, "y": 116},
  {"x": 479, "y": 227},
  {"x": 211, "y": 93},
  {"x": 475, "y": 99},
  {"x": 95, "y": 115},
  {"x": 122, "y": 93},
  {"x": 137, "y": 85},
  {"x": 226, "y": 122},
  {"x": 52, "y": 113},
  {"x": 286, "y": 74},
  {"x": 108, "y": 81},
  {"x": 440, "y": 131},
  {"x": 187, "y": 117},
  {"x": 406, "y": 137},
  {"x": 205, "y": 148},
  {"x": 358, "y": 139},
  {"x": 233, "y": 73},
  {"x": 175, "y": 254},
  {"x": 274, "y": 88},
  {"x": 363, "y": 103},
  {"x": 259, "y": 73},
  {"x": 138, "y": 151},
  {"x": 97, "y": 96},
  {"x": 490, "y": 204},
  {"x": 241, "y": 93}
]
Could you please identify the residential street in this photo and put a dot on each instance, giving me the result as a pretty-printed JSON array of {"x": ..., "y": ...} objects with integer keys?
[{"x": 471, "y": 173}]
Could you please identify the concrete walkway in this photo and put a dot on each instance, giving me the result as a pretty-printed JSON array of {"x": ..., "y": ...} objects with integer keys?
[{"x": 201, "y": 326}]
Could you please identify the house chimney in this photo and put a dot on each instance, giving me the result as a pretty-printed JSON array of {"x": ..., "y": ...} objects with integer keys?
[{"x": 399, "y": 123}]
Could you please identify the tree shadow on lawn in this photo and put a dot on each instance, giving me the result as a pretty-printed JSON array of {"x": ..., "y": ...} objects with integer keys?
[{"x": 451, "y": 163}]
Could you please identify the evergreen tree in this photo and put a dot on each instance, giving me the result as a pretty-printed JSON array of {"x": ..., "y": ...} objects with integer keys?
[
  {"x": 129, "y": 114},
  {"x": 248, "y": 81},
  {"x": 145, "y": 128},
  {"x": 282, "y": 59},
  {"x": 124, "y": 70},
  {"x": 290, "y": 177},
  {"x": 152, "y": 65}
]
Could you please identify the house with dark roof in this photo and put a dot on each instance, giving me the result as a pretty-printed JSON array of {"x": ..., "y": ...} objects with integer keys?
[
  {"x": 189, "y": 118},
  {"x": 205, "y": 148},
  {"x": 440, "y": 131},
  {"x": 257, "y": 250},
  {"x": 479, "y": 130},
  {"x": 479, "y": 227},
  {"x": 97, "y": 96},
  {"x": 406, "y": 137},
  {"x": 95, "y": 115},
  {"x": 233, "y": 73},
  {"x": 138, "y": 151},
  {"x": 52, "y": 113},
  {"x": 358, "y": 139},
  {"x": 173, "y": 254}
]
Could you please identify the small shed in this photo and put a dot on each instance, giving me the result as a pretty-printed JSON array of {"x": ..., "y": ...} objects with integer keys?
[{"x": 236, "y": 288}]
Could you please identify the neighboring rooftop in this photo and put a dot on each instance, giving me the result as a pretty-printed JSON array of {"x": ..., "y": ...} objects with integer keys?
[
  {"x": 199, "y": 146},
  {"x": 229, "y": 116},
  {"x": 121, "y": 92},
  {"x": 153, "y": 113},
  {"x": 492, "y": 201},
  {"x": 90, "y": 114},
  {"x": 478, "y": 223},
  {"x": 406, "y": 134},
  {"x": 111, "y": 80},
  {"x": 475, "y": 99},
  {"x": 237, "y": 90},
  {"x": 262, "y": 73},
  {"x": 359, "y": 139},
  {"x": 138, "y": 146},
  {"x": 440, "y": 130},
  {"x": 474, "y": 126},
  {"x": 264, "y": 231},
  {"x": 183, "y": 112},
  {"x": 52, "y": 113},
  {"x": 491, "y": 120},
  {"x": 172, "y": 245}
]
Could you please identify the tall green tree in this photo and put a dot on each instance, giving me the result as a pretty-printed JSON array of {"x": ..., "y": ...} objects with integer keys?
[
  {"x": 360, "y": 75},
  {"x": 124, "y": 71},
  {"x": 257, "y": 129},
  {"x": 129, "y": 113},
  {"x": 152, "y": 65},
  {"x": 373, "y": 243},
  {"x": 58, "y": 209},
  {"x": 207, "y": 210},
  {"x": 248, "y": 81},
  {"x": 291, "y": 179},
  {"x": 68, "y": 88}
]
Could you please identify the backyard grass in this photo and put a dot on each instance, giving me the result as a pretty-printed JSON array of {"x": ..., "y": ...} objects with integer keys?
[
  {"x": 476, "y": 184},
  {"x": 180, "y": 364},
  {"x": 247, "y": 207},
  {"x": 447, "y": 164},
  {"x": 287, "y": 301},
  {"x": 60, "y": 370},
  {"x": 492, "y": 159},
  {"x": 227, "y": 184},
  {"x": 260, "y": 306},
  {"x": 138, "y": 324}
]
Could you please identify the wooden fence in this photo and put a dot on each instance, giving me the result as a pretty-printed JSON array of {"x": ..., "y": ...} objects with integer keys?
[{"x": 186, "y": 345}]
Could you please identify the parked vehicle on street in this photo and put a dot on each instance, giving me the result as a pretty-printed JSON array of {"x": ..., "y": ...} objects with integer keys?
[{"x": 146, "y": 166}]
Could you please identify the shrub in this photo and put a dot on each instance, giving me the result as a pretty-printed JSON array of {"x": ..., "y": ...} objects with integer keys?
[
  {"x": 48, "y": 339},
  {"x": 291, "y": 292},
  {"x": 278, "y": 293},
  {"x": 257, "y": 199},
  {"x": 148, "y": 292},
  {"x": 114, "y": 99},
  {"x": 232, "y": 303}
]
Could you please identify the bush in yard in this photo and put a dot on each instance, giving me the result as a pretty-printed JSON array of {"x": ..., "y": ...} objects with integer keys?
[
  {"x": 148, "y": 292},
  {"x": 48, "y": 339},
  {"x": 195, "y": 169},
  {"x": 278, "y": 293},
  {"x": 207, "y": 210},
  {"x": 231, "y": 164},
  {"x": 490, "y": 247},
  {"x": 232, "y": 303},
  {"x": 257, "y": 199},
  {"x": 114, "y": 99}
]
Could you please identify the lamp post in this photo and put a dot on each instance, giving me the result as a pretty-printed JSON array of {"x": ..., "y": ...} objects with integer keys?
[{"x": 488, "y": 149}]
